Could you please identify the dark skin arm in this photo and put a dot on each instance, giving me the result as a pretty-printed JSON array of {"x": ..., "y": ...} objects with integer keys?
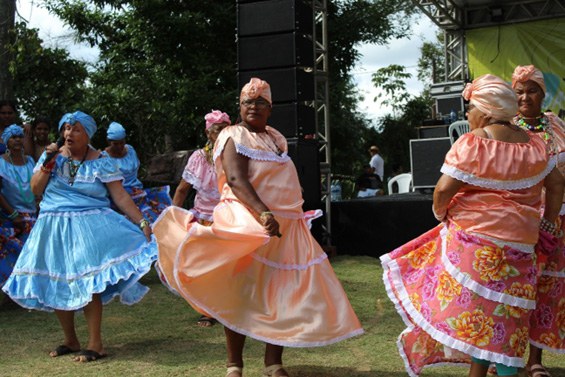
[
  {"x": 553, "y": 184},
  {"x": 445, "y": 190},
  {"x": 8, "y": 209},
  {"x": 181, "y": 192},
  {"x": 236, "y": 168}
]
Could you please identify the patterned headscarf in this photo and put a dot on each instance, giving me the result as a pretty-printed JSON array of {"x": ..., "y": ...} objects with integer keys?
[
  {"x": 85, "y": 120},
  {"x": 524, "y": 73},
  {"x": 256, "y": 88},
  {"x": 116, "y": 131},
  {"x": 492, "y": 96},
  {"x": 64, "y": 120},
  {"x": 216, "y": 116},
  {"x": 11, "y": 131}
]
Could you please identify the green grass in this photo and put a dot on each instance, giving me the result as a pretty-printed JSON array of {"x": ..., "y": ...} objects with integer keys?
[{"x": 158, "y": 337}]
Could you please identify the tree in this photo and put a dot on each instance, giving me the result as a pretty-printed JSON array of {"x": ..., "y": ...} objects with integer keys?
[
  {"x": 7, "y": 19},
  {"x": 392, "y": 80},
  {"x": 47, "y": 82}
]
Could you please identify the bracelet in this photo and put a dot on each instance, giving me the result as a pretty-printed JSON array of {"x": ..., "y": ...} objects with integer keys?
[
  {"x": 144, "y": 223},
  {"x": 550, "y": 227},
  {"x": 266, "y": 213},
  {"x": 13, "y": 215},
  {"x": 45, "y": 170}
]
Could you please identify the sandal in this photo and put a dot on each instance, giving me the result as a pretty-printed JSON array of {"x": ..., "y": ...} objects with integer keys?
[
  {"x": 86, "y": 356},
  {"x": 537, "y": 370},
  {"x": 205, "y": 321},
  {"x": 234, "y": 369},
  {"x": 272, "y": 369},
  {"x": 62, "y": 350}
]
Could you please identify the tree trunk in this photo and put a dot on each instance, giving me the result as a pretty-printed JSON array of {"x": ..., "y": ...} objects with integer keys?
[{"x": 7, "y": 20}]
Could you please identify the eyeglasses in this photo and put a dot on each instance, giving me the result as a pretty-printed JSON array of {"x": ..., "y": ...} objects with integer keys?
[{"x": 259, "y": 103}]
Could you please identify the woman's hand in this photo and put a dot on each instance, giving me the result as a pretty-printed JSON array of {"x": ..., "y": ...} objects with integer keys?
[
  {"x": 52, "y": 148},
  {"x": 148, "y": 232},
  {"x": 270, "y": 224},
  {"x": 19, "y": 224}
]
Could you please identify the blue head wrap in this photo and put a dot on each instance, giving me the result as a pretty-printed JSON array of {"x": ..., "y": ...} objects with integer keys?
[
  {"x": 11, "y": 131},
  {"x": 85, "y": 120},
  {"x": 64, "y": 119},
  {"x": 116, "y": 131}
]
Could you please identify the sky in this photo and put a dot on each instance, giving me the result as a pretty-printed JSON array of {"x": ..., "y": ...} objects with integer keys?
[{"x": 404, "y": 51}]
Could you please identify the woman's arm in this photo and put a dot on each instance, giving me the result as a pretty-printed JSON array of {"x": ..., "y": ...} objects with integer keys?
[
  {"x": 124, "y": 202},
  {"x": 236, "y": 167},
  {"x": 553, "y": 184},
  {"x": 181, "y": 192},
  {"x": 41, "y": 177},
  {"x": 445, "y": 190}
]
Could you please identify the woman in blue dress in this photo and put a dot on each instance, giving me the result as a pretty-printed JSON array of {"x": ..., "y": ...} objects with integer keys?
[
  {"x": 151, "y": 201},
  {"x": 81, "y": 254},
  {"x": 17, "y": 202}
]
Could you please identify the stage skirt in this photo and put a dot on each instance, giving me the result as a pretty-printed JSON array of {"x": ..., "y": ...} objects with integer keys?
[
  {"x": 279, "y": 290},
  {"x": 69, "y": 256},
  {"x": 461, "y": 295},
  {"x": 547, "y": 323},
  {"x": 151, "y": 201}
]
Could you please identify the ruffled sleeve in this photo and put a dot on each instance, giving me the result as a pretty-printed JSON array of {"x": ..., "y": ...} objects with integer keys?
[
  {"x": 494, "y": 164},
  {"x": 197, "y": 169},
  {"x": 40, "y": 162}
]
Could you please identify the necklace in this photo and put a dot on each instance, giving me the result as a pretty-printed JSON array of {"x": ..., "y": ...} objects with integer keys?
[
  {"x": 73, "y": 168},
  {"x": 27, "y": 196},
  {"x": 208, "y": 152},
  {"x": 541, "y": 126}
]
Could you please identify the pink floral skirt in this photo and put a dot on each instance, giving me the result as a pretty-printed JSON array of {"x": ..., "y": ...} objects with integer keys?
[
  {"x": 547, "y": 323},
  {"x": 460, "y": 295}
]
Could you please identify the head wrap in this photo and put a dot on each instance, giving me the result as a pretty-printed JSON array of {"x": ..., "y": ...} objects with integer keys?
[
  {"x": 11, "y": 131},
  {"x": 492, "y": 96},
  {"x": 524, "y": 73},
  {"x": 85, "y": 120},
  {"x": 216, "y": 116},
  {"x": 64, "y": 120},
  {"x": 256, "y": 88},
  {"x": 116, "y": 131}
]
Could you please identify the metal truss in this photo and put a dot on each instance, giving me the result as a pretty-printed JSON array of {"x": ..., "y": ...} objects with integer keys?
[
  {"x": 485, "y": 15},
  {"x": 444, "y": 13}
]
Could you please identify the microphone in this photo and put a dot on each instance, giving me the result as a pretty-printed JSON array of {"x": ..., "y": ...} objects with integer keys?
[{"x": 50, "y": 155}]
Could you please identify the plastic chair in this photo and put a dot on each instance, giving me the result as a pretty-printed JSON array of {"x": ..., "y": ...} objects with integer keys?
[
  {"x": 403, "y": 181},
  {"x": 457, "y": 129}
]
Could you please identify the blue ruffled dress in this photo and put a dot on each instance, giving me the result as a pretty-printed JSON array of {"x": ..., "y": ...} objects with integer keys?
[
  {"x": 151, "y": 201},
  {"x": 79, "y": 246}
]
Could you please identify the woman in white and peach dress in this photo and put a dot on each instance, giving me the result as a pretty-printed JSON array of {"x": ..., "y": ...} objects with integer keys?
[{"x": 256, "y": 269}]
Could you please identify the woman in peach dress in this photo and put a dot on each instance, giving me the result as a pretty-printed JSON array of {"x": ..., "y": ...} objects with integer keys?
[
  {"x": 547, "y": 323},
  {"x": 256, "y": 269},
  {"x": 466, "y": 288}
]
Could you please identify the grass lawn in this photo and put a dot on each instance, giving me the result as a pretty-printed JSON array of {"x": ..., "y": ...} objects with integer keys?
[{"x": 158, "y": 337}]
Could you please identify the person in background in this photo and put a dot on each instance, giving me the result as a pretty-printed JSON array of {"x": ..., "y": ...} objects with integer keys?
[
  {"x": 200, "y": 174},
  {"x": 466, "y": 288},
  {"x": 40, "y": 137},
  {"x": 81, "y": 254},
  {"x": 547, "y": 323},
  {"x": 151, "y": 201},
  {"x": 17, "y": 201},
  {"x": 257, "y": 269},
  {"x": 377, "y": 163},
  {"x": 8, "y": 115},
  {"x": 368, "y": 183}
]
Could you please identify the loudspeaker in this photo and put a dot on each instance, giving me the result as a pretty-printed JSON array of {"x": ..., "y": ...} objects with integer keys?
[
  {"x": 275, "y": 51},
  {"x": 426, "y": 159},
  {"x": 274, "y": 16},
  {"x": 433, "y": 131},
  {"x": 448, "y": 97},
  {"x": 304, "y": 155},
  {"x": 293, "y": 120},
  {"x": 287, "y": 84}
]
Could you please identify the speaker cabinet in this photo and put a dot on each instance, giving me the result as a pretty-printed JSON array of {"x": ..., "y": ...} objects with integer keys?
[
  {"x": 287, "y": 84},
  {"x": 426, "y": 159},
  {"x": 275, "y": 51},
  {"x": 293, "y": 120},
  {"x": 274, "y": 16},
  {"x": 304, "y": 155}
]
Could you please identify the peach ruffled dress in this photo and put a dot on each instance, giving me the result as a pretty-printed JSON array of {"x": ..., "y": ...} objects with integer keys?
[
  {"x": 467, "y": 287},
  {"x": 279, "y": 290}
]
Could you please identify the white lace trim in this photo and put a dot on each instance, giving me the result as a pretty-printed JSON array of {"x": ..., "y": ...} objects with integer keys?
[
  {"x": 75, "y": 213},
  {"x": 255, "y": 154},
  {"x": 547, "y": 348},
  {"x": 195, "y": 181},
  {"x": 562, "y": 211},
  {"x": 404, "y": 300},
  {"x": 466, "y": 281},
  {"x": 523, "y": 247},
  {"x": 495, "y": 183},
  {"x": 200, "y": 215},
  {"x": 288, "y": 267},
  {"x": 385, "y": 260}
]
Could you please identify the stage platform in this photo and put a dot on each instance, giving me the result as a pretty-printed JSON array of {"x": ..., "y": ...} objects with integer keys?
[{"x": 374, "y": 226}]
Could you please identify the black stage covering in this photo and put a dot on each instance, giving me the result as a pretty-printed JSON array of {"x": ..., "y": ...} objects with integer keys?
[{"x": 377, "y": 225}]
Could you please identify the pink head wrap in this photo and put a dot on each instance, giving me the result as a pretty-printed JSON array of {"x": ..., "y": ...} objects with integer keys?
[
  {"x": 256, "y": 88},
  {"x": 216, "y": 116},
  {"x": 492, "y": 96},
  {"x": 524, "y": 73}
]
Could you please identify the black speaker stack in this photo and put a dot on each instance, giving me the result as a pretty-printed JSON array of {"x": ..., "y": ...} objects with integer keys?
[{"x": 275, "y": 44}]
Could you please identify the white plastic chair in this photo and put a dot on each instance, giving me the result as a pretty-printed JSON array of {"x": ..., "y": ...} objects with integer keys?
[
  {"x": 457, "y": 129},
  {"x": 403, "y": 181}
]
